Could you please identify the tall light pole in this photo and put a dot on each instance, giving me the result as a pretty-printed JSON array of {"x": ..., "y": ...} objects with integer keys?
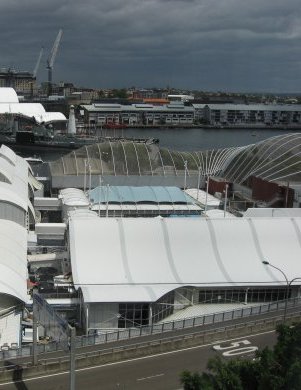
[
  {"x": 199, "y": 182},
  {"x": 85, "y": 174},
  {"x": 225, "y": 200},
  {"x": 185, "y": 174},
  {"x": 207, "y": 190},
  {"x": 287, "y": 286}
]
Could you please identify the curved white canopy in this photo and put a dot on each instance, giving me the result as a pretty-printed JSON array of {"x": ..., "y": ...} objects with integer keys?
[
  {"x": 8, "y": 154},
  {"x": 74, "y": 197},
  {"x": 16, "y": 171},
  {"x": 137, "y": 259},
  {"x": 13, "y": 260},
  {"x": 9, "y": 104},
  {"x": 8, "y": 95},
  {"x": 31, "y": 110}
]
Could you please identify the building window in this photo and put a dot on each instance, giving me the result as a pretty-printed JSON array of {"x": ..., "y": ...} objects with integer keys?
[
  {"x": 133, "y": 314},
  {"x": 242, "y": 295},
  {"x": 163, "y": 307}
]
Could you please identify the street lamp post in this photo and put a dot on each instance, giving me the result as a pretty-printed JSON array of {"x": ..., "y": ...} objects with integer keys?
[
  {"x": 297, "y": 278},
  {"x": 207, "y": 189},
  {"x": 225, "y": 200},
  {"x": 287, "y": 286},
  {"x": 199, "y": 182},
  {"x": 185, "y": 174}
]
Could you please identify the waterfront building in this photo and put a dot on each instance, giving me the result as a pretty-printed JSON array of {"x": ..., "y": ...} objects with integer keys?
[
  {"x": 176, "y": 114},
  {"x": 249, "y": 114},
  {"x": 135, "y": 114}
]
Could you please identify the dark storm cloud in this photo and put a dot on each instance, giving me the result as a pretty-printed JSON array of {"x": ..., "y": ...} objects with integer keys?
[{"x": 201, "y": 44}]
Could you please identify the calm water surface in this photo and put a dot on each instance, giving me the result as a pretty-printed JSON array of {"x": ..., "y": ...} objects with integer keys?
[
  {"x": 203, "y": 139},
  {"x": 190, "y": 139}
]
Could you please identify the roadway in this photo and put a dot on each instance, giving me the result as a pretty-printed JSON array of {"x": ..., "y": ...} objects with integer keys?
[
  {"x": 159, "y": 336},
  {"x": 160, "y": 372}
]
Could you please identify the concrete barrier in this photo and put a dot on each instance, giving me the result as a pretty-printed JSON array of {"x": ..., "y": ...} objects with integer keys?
[{"x": 51, "y": 366}]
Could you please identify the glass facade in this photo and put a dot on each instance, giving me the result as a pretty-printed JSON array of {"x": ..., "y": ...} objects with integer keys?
[
  {"x": 138, "y": 314},
  {"x": 133, "y": 314},
  {"x": 163, "y": 307},
  {"x": 242, "y": 295}
]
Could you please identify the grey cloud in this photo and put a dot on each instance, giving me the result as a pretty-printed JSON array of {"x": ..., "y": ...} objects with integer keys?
[{"x": 210, "y": 44}]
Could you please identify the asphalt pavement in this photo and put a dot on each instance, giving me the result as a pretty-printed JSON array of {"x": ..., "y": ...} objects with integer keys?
[{"x": 160, "y": 372}]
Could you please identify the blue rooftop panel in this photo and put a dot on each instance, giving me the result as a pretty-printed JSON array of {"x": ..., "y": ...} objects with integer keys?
[{"x": 147, "y": 194}]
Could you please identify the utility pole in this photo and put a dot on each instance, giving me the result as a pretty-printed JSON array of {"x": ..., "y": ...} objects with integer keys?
[
  {"x": 72, "y": 333},
  {"x": 185, "y": 174},
  {"x": 225, "y": 200},
  {"x": 34, "y": 330}
]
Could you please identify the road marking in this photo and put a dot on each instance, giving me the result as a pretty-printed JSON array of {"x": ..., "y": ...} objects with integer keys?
[
  {"x": 149, "y": 377},
  {"x": 235, "y": 348},
  {"x": 240, "y": 351},
  {"x": 234, "y": 345},
  {"x": 134, "y": 359}
]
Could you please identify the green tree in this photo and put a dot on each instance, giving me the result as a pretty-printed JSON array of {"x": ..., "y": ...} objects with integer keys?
[
  {"x": 272, "y": 369},
  {"x": 118, "y": 93}
]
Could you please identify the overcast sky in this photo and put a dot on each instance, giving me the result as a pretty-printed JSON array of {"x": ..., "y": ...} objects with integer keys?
[{"x": 211, "y": 45}]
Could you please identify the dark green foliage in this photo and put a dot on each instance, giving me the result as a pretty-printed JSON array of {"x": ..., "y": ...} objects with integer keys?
[
  {"x": 272, "y": 369},
  {"x": 191, "y": 381}
]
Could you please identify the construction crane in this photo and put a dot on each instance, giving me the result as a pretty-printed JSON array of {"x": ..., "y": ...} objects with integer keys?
[
  {"x": 35, "y": 71},
  {"x": 51, "y": 59}
]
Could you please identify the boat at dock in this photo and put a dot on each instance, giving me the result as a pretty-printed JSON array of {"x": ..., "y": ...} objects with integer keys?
[{"x": 28, "y": 142}]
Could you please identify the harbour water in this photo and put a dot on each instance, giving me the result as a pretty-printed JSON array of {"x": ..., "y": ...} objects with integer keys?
[
  {"x": 203, "y": 139},
  {"x": 189, "y": 139}
]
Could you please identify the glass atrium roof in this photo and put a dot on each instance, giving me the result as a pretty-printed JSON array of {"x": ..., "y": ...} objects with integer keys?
[
  {"x": 130, "y": 158},
  {"x": 274, "y": 159}
]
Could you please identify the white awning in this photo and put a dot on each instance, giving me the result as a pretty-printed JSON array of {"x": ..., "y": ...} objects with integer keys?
[
  {"x": 13, "y": 260},
  {"x": 34, "y": 182},
  {"x": 141, "y": 259}
]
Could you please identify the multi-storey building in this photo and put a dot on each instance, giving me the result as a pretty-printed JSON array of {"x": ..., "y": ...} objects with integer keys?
[
  {"x": 252, "y": 114},
  {"x": 22, "y": 82},
  {"x": 103, "y": 114}
]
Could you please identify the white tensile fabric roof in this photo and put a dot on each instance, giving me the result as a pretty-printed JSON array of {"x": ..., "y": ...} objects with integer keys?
[
  {"x": 9, "y": 104},
  {"x": 216, "y": 213},
  {"x": 202, "y": 197},
  {"x": 8, "y": 95},
  {"x": 16, "y": 172},
  {"x": 275, "y": 212},
  {"x": 13, "y": 260},
  {"x": 74, "y": 197},
  {"x": 30, "y": 110},
  {"x": 141, "y": 259}
]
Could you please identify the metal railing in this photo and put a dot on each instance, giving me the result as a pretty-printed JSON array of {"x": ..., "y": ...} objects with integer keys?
[
  {"x": 155, "y": 329},
  {"x": 170, "y": 343}
]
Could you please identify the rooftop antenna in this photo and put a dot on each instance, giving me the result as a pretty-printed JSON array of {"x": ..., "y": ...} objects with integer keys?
[{"x": 51, "y": 59}]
